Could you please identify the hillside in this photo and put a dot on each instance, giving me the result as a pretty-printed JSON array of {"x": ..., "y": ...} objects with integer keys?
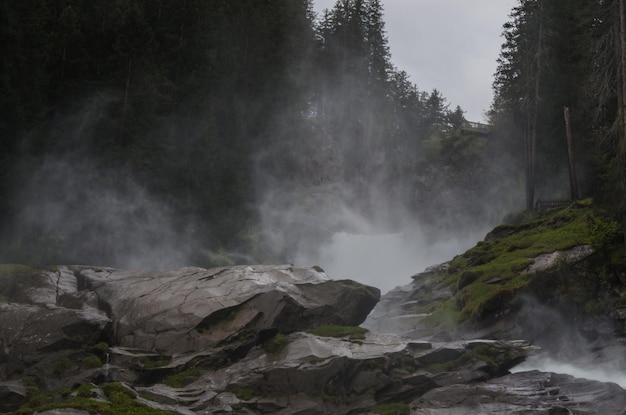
[{"x": 569, "y": 260}]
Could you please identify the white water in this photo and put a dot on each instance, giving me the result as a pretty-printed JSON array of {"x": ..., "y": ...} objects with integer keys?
[{"x": 602, "y": 373}]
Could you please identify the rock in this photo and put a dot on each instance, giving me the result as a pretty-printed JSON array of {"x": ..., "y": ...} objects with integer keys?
[
  {"x": 12, "y": 395},
  {"x": 530, "y": 392},
  {"x": 340, "y": 374},
  {"x": 29, "y": 332},
  {"x": 193, "y": 308},
  {"x": 234, "y": 340},
  {"x": 544, "y": 262}
]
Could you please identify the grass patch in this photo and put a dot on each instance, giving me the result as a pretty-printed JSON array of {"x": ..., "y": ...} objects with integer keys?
[
  {"x": 445, "y": 316},
  {"x": 329, "y": 330}
]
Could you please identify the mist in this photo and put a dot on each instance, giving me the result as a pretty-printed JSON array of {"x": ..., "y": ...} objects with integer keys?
[
  {"x": 593, "y": 353},
  {"x": 384, "y": 260},
  {"x": 97, "y": 220}
]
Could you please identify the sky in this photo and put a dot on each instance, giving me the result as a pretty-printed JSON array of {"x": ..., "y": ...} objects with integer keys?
[{"x": 450, "y": 45}]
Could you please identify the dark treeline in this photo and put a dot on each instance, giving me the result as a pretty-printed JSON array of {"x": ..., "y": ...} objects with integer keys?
[
  {"x": 565, "y": 57},
  {"x": 138, "y": 125}
]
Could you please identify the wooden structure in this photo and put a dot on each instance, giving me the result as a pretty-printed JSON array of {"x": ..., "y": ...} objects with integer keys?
[{"x": 475, "y": 128}]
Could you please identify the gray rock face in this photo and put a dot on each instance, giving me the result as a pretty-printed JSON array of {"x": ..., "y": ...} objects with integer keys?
[
  {"x": 54, "y": 319},
  {"x": 525, "y": 392},
  {"x": 234, "y": 341},
  {"x": 193, "y": 308},
  {"x": 334, "y": 375}
]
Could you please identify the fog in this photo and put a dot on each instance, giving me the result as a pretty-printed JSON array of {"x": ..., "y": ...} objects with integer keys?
[
  {"x": 606, "y": 372},
  {"x": 383, "y": 260}
]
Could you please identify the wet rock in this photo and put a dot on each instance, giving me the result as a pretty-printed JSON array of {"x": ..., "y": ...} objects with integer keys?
[
  {"x": 194, "y": 308},
  {"x": 544, "y": 262},
  {"x": 29, "y": 332},
  {"x": 530, "y": 392},
  {"x": 12, "y": 395}
]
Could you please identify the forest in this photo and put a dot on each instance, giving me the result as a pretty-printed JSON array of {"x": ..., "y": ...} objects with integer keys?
[{"x": 204, "y": 133}]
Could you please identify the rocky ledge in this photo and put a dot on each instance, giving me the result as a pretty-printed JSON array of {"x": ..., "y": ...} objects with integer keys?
[{"x": 247, "y": 340}]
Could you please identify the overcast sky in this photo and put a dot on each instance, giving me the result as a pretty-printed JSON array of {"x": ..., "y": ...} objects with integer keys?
[{"x": 451, "y": 45}]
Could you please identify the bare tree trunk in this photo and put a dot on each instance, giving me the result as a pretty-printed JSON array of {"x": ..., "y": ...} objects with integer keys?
[{"x": 573, "y": 183}]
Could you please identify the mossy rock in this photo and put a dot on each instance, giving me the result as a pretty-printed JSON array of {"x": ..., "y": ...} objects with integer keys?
[{"x": 487, "y": 278}]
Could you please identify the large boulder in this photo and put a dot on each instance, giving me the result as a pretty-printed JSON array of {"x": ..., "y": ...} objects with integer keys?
[{"x": 192, "y": 309}]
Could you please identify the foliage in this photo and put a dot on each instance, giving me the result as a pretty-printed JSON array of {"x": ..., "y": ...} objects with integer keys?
[
  {"x": 352, "y": 332},
  {"x": 197, "y": 111}
]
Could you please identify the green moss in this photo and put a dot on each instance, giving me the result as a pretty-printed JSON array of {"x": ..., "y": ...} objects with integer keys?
[
  {"x": 486, "y": 277},
  {"x": 100, "y": 349},
  {"x": 153, "y": 362},
  {"x": 116, "y": 387},
  {"x": 445, "y": 316},
  {"x": 358, "y": 287},
  {"x": 121, "y": 402},
  {"x": 276, "y": 344},
  {"x": 180, "y": 379},
  {"x": 91, "y": 361},
  {"x": 244, "y": 394},
  {"x": 392, "y": 409},
  {"x": 483, "y": 352},
  {"x": 16, "y": 269},
  {"x": 329, "y": 330},
  {"x": 85, "y": 391},
  {"x": 61, "y": 365}
]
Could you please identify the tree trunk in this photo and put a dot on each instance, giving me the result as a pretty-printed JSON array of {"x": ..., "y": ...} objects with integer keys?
[
  {"x": 622, "y": 111},
  {"x": 534, "y": 121},
  {"x": 573, "y": 183}
]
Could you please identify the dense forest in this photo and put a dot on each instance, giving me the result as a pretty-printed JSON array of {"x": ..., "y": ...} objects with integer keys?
[{"x": 194, "y": 132}]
